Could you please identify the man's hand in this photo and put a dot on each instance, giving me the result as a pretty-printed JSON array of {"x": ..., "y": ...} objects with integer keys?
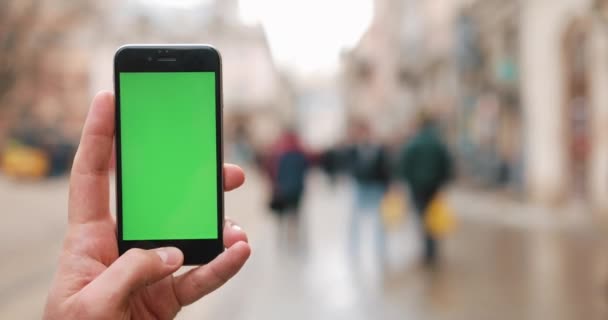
[{"x": 92, "y": 282}]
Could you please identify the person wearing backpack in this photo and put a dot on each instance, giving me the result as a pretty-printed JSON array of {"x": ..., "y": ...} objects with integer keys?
[{"x": 287, "y": 168}]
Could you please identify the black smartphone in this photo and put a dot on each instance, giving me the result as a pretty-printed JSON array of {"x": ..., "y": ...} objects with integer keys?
[{"x": 169, "y": 149}]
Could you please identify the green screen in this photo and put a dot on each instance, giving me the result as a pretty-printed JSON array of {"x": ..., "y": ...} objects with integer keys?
[{"x": 168, "y": 155}]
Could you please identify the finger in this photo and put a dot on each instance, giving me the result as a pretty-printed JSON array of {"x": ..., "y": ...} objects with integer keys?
[
  {"x": 234, "y": 177},
  {"x": 233, "y": 233},
  {"x": 89, "y": 184},
  {"x": 132, "y": 271},
  {"x": 203, "y": 280}
]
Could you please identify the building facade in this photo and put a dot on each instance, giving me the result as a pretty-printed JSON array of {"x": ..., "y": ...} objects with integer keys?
[
  {"x": 563, "y": 48},
  {"x": 520, "y": 85}
]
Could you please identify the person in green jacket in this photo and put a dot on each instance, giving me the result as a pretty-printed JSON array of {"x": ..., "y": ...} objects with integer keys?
[{"x": 426, "y": 166}]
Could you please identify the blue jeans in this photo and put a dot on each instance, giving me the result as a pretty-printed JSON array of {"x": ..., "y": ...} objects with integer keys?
[{"x": 368, "y": 197}]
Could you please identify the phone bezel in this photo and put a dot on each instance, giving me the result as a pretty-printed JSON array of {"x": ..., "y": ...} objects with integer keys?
[{"x": 188, "y": 58}]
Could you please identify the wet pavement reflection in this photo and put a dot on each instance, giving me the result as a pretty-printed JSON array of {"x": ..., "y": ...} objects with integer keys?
[{"x": 490, "y": 269}]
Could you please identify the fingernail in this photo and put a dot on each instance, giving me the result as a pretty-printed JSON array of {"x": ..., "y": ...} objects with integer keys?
[
  {"x": 235, "y": 226},
  {"x": 170, "y": 256}
]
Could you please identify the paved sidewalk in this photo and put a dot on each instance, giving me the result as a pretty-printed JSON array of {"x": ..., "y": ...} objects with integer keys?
[
  {"x": 506, "y": 260},
  {"x": 502, "y": 209}
]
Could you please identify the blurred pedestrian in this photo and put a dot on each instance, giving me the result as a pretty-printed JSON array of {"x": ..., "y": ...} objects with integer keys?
[
  {"x": 369, "y": 166},
  {"x": 335, "y": 162},
  {"x": 287, "y": 167},
  {"x": 242, "y": 147},
  {"x": 426, "y": 166}
]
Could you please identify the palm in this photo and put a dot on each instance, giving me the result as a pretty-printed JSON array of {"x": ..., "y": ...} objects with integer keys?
[
  {"x": 155, "y": 301},
  {"x": 98, "y": 251},
  {"x": 86, "y": 286}
]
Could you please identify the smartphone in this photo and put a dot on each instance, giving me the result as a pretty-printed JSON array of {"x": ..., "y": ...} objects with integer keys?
[{"x": 169, "y": 149}]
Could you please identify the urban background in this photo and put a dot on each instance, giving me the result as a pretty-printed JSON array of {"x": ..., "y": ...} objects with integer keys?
[{"x": 518, "y": 91}]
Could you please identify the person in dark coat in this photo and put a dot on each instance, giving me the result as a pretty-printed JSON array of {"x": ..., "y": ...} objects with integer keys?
[
  {"x": 287, "y": 168},
  {"x": 368, "y": 162},
  {"x": 425, "y": 165}
]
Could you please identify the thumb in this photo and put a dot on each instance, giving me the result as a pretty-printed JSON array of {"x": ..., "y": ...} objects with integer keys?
[{"x": 132, "y": 271}]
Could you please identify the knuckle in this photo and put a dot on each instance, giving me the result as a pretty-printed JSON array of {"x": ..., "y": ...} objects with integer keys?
[
  {"x": 142, "y": 263},
  {"x": 197, "y": 284},
  {"x": 220, "y": 275},
  {"x": 82, "y": 308},
  {"x": 200, "y": 286},
  {"x": 138, "y": 257},
  {"x": 135, "y": 253}
]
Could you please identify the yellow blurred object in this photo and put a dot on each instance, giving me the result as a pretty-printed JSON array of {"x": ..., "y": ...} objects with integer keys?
[
  {"x": 439, "y": 219},
  {"x": 393, "y": 208},
  {"x": 25, "y": 162}
]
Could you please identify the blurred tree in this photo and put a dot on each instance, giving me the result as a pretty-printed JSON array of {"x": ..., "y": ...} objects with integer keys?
[
  {"x": 17, "y": 22},
  {"x": 28, "y": 30}
]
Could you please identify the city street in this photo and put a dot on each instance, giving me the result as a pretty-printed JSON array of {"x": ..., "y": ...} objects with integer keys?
[
  {"x": 506, "y": 260},
  {"x": 504, "y": 97}
]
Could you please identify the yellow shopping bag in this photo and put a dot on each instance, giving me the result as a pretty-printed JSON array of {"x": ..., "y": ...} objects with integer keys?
[
  {"x": 393, "y": 208},
  {"x": 439, "y": 219}
]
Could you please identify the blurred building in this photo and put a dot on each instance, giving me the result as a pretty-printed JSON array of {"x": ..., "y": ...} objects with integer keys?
[
  {"x": 518, "y": 85},
  {"x": 255, "y": 92},
  {"x": 402, "y": 63},
  {"x": 59, "y": 53},
  {"x": 489, "y": 120},
  {"x": 43, "y": 74},
  {"x": 372, "y": 85},
  {"x": 564, "y": 79}
]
